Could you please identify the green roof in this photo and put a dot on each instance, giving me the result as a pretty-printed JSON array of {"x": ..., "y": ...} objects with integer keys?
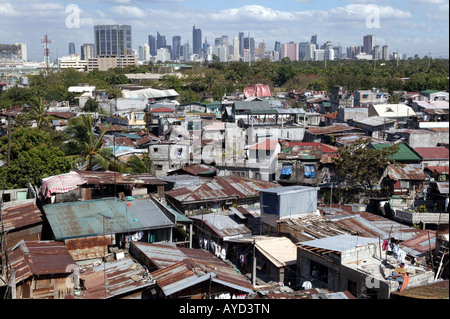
[
  {"x": 404, "y": 154},
  {"x": 429, "y": 91}
]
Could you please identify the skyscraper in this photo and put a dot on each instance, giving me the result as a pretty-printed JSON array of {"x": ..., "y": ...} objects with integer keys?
[
  {"x": 152, "y": 44},
  {"x": 314, "y": 40},
  {"x": 197, "y": 41},
  {"x": 236, "y": 49},
  {"x": 113, "y": 40},
  {"x": 369, "y": 44},
  {"x": 241, "y": 44},
  {"x": 176, "y": 47},
  {"x": 160, "y": 41},
  {"x": 290, "y": 50},
  {"x": 385, "y": 52},
  {"x": 71, "y": 48},
  {"x": 87, "y": 51}
]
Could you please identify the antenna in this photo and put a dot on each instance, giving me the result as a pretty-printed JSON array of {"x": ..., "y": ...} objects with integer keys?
[{"x": 46, "y": 41}]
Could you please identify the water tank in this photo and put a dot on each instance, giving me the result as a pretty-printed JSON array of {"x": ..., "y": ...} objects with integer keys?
[{"x": 24, "y": 80}]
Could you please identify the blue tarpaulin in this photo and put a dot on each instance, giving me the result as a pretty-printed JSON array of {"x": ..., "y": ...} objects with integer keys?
[
  {"x": 310, "y": 171},
  {"x": 286, "y": 170}
]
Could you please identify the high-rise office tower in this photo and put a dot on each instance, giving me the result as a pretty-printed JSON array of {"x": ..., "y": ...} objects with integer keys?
[
  {"x": 369, "y": 44},
  {"x": 385, "y": 52},
  {"x": 160, "y": 41},
  {"x": 249, "y": 44},
  {"x": 277, "y": 48},
  {"x": 205, "y": 47},
  {"x": 152, "y": 44},
  {"x": 87, "y": 51},
  {"x": 197, "y": 41},
  {"x": 302, "y": 47},
  {"x": 236, "y": 49},
  {"x": 241, "y": 44},
  {"x": 71, "y": 48},
  {"x": 176, "y": 47},
  {"x": 113, "y": 40},
  {"x": 314, "y": 40},
  {"x": 290, "y": 50}
]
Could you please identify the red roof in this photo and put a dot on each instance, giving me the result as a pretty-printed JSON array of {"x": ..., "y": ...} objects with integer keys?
[
  {"x": 162, "y": 110},
  {"x": 265, "y": 145},
  {"x": 438, "y": 169},
  {"x": 433, "y": 152},
  {"x": 325, "y": 148}
]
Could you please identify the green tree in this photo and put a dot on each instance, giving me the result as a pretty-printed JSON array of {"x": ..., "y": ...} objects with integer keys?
[
  {"x": 91, "y": 105},
  {"x": 361, "y": 166},
  {"x": 84, "y": 147},
  {"x": 33, "y": 156}
]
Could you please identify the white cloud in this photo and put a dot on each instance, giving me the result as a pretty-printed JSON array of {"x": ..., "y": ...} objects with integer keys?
[{"x": 128, "y": 12}]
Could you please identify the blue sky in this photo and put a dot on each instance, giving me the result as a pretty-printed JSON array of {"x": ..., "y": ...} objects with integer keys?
[{"x": 412, "y": 27}]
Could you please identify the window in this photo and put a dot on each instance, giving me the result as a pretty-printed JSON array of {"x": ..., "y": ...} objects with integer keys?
[
  {"x": 155, "y": 150},
  {"x": 318, "y": 272},
  {"x": 310, "y": 171}
]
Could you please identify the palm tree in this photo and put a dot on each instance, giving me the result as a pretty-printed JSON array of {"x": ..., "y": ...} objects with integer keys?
[
  {"x": 84, "y": 146},
  {"x": 38, "y": 111}
]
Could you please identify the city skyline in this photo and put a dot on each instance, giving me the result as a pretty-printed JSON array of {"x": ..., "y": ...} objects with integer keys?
[{"x": 416, "y": 27}]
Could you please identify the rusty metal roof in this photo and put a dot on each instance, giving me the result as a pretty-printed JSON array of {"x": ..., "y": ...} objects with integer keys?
[
  {"x": 433, "y": 153},
  {"x": 34, "y": 258},
  {"x": 99, "y": 177},
  {"x": 406, "y": 172},
  {"x": 224, "y": 225},
  {"x": 332, "y": 129},
  {"x": 114, "y": 279},
  {"x": 21, "y": 216},
  {"x": 185, "y": 267},
  {"x": 220, "y": 188}
]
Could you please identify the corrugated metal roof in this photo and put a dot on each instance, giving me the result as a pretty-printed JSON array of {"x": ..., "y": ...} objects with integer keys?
[
  {"x": 332, "y": 129},
  {"x": 220, "y": 188},
  {"x": 182, "y": 268},
  {"x": 434, "y": 153},
  {"x": 39, "y": 258},
  {"x": 404, "y": 153},
  {"x": 96, "y": 217},
  {"x": 341, "y": 243},
  {"x": 20, "y": 216},
  {"x": 122, "y": 276},
  {"x": 406, "y": 172},
  {"x": 224, "y": 224},
  {"x": 100, "y": 177}
]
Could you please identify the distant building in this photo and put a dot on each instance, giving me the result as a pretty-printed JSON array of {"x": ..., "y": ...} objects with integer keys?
[
  {"x": 176, "y": 47},
  {"x": 13, "y": 52},
  {"x": 87, "y": 51},
  {"x": 72, "y": 61},
  {"x": 112, "y": 40},
  {"x": 197, "y": 41},
  {"x": 152, "y": 44},
  {"x": 385, "y": 53},
  {"x": 290, "y": 50},
  {"x": 71, "y": 48},
  {"x": 369, "y": 44},
  {"x": 106, "y": 62}
]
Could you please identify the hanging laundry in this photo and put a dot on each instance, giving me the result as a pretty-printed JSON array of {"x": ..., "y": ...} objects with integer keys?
[
  {"x": 223, "y": 254},
  {"x": 385, "y": 244}
]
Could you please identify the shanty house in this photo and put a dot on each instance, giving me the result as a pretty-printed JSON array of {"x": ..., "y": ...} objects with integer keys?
[
  {"x": 21, "y": 222},
  {"x": 404, "y": 179},
  {"x": 221, "y": 192},
  {"x": 356, "y": 264},
  {"x": 286, "y": 202},
  {"x": 305, "y": 163},
  {"x": 39, "y": 270},
  {"x": 89, "y": 228},
  {"x": 190, "y": 273}
]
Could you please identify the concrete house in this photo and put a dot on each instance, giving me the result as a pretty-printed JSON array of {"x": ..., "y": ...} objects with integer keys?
[
  {"x": 304, "y": 163},
  {"x": 365, "y": 97},
  {"x": 356, "y": 264}
]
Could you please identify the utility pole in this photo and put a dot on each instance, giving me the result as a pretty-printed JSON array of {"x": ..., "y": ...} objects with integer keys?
[
  {"x": 254, "y": 264},
  {"x": 429, "y": 57}
]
